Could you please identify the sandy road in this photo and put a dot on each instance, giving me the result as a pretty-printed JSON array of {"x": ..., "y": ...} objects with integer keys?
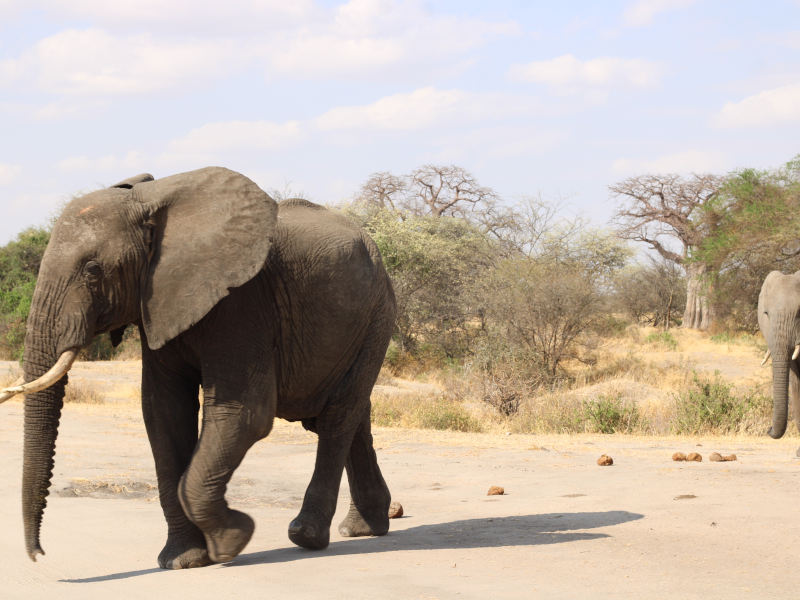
[{"x": 566, "y": 528}]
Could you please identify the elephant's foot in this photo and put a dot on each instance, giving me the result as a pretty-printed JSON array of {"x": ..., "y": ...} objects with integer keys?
[
  {"x": 357, "y": 524},
  {"x": 309, "y": 531},
  {"x": 797, "y": 453},
  {"x": 225, "y": 543},
  {"x": 184, "y": 552}
]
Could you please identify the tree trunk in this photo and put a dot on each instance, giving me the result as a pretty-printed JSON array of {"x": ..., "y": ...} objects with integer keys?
[
  {"x": 698, "y": 314},
  {"x": 669, "y": 311}
]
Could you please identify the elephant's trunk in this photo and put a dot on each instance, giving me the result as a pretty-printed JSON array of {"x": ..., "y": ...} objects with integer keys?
[
  {"x": 42, "y": 414},
  {"x": 780, "y": 391}
]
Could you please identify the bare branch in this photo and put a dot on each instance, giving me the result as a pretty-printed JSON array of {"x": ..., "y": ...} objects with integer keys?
[{"x": 654, "y": 206}]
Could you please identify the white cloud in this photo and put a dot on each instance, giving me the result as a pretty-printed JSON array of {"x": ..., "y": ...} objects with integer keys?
[
  {"x": 770, "y": 107},
  {"x": 371, "y": 36},
  {"x": 93, "y": 62},
  {"x": 688, "y": 161},
  {"x": 328, "y": 55},
  {"x": 422, "y": 108},
  {"x": 150, "y": 46},
  {"x": 215, "y": 138},
  {"x": 643, "y": 12},
  {"x": 569, "y": 72},
  {"x": 132, "y": 161},
  {"x": 9, "y": 173},
  {"x": 183, "y": 16}
]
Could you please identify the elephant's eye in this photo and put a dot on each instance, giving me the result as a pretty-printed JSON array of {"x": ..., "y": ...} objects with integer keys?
[{"x": 93, "y": 272}]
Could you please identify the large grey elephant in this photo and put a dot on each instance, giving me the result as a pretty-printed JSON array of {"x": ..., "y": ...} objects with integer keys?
[
  {"x": 779, "y": 321},
  {"x": 274, "y": 310}
]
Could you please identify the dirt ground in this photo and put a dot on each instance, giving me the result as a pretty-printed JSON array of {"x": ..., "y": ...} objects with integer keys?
[{"x": 566, "y": 527}]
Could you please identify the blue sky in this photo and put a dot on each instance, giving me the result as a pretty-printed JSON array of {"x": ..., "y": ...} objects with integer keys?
[{"x": 534, "y": 98}]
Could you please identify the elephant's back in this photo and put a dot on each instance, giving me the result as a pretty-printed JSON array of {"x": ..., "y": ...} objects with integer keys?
[
  {"x": 331, "y": 290},
  {"x": 318, "y": 241}
]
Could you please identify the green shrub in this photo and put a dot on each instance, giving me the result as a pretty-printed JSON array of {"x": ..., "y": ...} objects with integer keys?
[
  {"x": 385, "y": 414},
  {"x": 610, "y": 414},
  {"x": 711, "y": 406},
  {"x": 662, "y": 338},
  {"x": 446, "y": 414},
  {"x": 422, "y": 412}
]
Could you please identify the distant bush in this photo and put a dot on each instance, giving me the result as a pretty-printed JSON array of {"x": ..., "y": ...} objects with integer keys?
[
  {"x": 737, "y": 339},
  {"x": 431, "y": 412},
  {"x": 711, "y": 406},
  {"x": 448, "y": 415},
  {"x": 610, "y": 414},
  {"x": 663, "y": 339}
]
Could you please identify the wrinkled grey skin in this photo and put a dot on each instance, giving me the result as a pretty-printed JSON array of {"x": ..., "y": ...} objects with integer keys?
[
  {"x": 779, "y": 321},
  {"x": 274, "y": 311}
]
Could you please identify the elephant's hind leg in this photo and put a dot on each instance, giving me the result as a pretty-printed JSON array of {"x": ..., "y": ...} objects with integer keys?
[
  {"x": 370, "y": 498},
  {"x": 345, "y": 440},
  {"x": 311, "y": 527}
]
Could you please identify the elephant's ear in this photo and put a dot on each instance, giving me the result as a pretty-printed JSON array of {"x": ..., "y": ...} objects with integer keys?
[
  {"x": 132, "y": 181},
  {"x": 211, "y": 231}
]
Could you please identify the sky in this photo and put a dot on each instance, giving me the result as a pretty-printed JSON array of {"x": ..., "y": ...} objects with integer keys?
[{"x": 556, "y": 100}]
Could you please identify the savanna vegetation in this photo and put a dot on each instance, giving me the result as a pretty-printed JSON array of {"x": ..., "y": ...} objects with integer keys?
[{"x": 515, "y": 316}]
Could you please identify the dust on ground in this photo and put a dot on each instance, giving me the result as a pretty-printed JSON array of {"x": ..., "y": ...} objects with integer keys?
[{"x": 564, "y": 528}]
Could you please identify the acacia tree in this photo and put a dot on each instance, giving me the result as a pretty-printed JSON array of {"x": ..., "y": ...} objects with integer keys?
[
  {"x": 545, "y": 305},
  {"x": 662, "y": 210},
  {"x": 435, "y": 264},
  {"x": 442, "y": 191},
  {"x": 382, "y": 191}
]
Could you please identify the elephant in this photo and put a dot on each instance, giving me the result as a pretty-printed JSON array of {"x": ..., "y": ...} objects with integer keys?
[
  {"x": 272, "y": 309},
  {"x": 779, "y": 321}
]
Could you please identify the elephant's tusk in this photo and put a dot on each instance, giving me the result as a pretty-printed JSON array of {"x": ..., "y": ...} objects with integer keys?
[
  {"x": 55, "y": 373},
  {"x": 766, "y": 358},
  {"x": 796, "y": 352},
  {"x": 6, "y": 395}
]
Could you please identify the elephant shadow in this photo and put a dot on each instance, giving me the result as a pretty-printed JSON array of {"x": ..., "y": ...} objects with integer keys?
[
  {"x": 489, "y": 532},
  {"x": 526, "y": 530}
]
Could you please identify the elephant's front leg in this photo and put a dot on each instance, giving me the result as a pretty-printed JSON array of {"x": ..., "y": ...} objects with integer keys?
[
  {"x": 234, "y": 418},
  {"x": 170, "y": 406}
]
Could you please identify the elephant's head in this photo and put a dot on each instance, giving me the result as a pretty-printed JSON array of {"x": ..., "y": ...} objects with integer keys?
[
  {"x": 779, "y": 320},
  {"x": 157, "y": 252}
]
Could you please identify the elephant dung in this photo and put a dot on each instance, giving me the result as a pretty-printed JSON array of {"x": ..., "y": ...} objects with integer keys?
[
  {"x": 395, "y": 510},
  {"x": 678, "y": 456},
  {"x": 496, "y": 490},
  {"x": 717, "y": 457},
  {"x": 694, "y": 456},
  {"x": 605, "y": 461}
]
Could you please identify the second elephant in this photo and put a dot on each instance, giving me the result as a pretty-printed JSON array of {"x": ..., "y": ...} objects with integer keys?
[{"x": 779, "y": 321}]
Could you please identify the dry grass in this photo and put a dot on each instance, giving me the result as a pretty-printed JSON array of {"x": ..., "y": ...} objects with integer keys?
[
  {"x": 645, "y": 382},
  {"x": 81, "y": 393},
  {"x": 422, "y": 412}
]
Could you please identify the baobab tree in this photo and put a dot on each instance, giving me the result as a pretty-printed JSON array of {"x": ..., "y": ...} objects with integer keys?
[{"x": 666, "y": 212}]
